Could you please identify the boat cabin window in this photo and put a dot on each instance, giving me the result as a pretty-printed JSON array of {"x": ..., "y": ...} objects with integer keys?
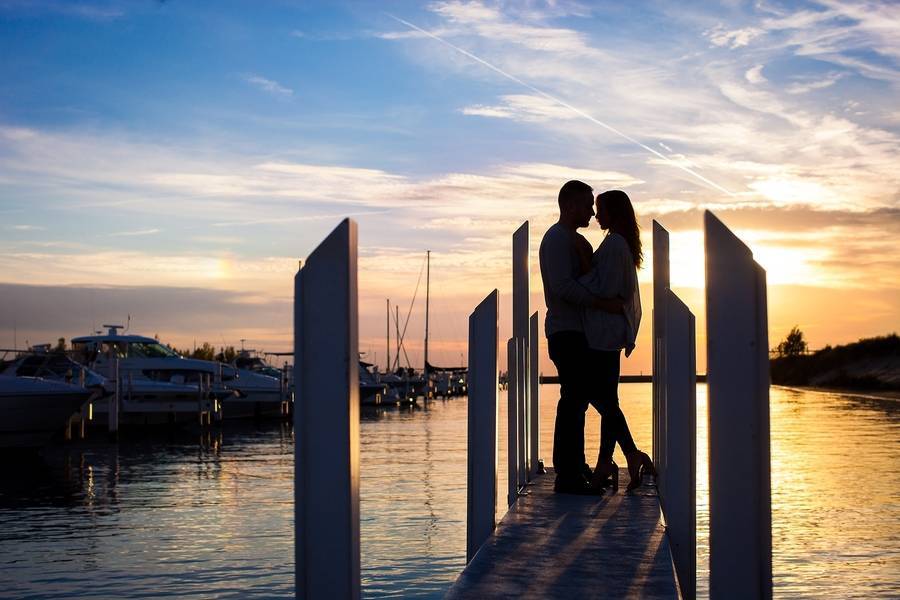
[
  {"x": 84, "y": 353},
  {"x": 114, "y": 349},
  {"x": 151, "y": 350}
]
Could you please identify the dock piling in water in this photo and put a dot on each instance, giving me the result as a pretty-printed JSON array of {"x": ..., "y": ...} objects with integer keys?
[
  {"x": 512, "y": 421},
  {"x": 660, "y": 285},
  {"x": 535, "y": 464},
  {"x": 678, "y": 482},
  {"x": 481, "y": 492},
  {"x": 740, "y": 517},
  {"x": 326, "y": 420},
  {"x": 114, "y": 402},
  {"x": 674, "y": 416}
]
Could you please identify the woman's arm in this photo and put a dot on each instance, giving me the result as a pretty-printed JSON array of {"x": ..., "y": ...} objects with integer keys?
[{"x": 585, "y": 255}]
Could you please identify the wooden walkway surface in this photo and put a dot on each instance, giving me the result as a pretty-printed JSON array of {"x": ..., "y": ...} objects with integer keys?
[{"x": 563, "y": 546}]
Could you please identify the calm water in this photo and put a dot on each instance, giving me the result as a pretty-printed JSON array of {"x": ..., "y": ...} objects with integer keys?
[{"x": 211, "y": 515}]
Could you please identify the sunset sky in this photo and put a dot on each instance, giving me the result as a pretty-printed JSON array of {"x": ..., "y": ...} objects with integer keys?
[{"x": 173, "y": 162}]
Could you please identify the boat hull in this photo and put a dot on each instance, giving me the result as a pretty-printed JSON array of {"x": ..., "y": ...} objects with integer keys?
[
  {"x": 30, "y": 417},
  {"x": 254, "y": 404}
]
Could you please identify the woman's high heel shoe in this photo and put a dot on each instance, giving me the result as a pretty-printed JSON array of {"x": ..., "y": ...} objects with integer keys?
[
  {"x": 639, "y": 464},
  {"x": 606, "y": 474}
]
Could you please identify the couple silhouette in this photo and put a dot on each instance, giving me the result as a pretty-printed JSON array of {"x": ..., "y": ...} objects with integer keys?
[{"x": 593, "y": 314}]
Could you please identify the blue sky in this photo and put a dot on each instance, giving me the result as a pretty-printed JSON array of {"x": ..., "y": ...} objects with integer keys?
[{"x": 146, "y": 146}]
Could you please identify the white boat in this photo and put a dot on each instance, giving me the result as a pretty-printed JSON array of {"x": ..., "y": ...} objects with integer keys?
[
  {"x": 33, "y": 409},
  {"x": 142, "y": 401},
  {"x": 40, "y": 361},
  {"x": 264, "y": 389},
  {"x": 141, "y": 359}
]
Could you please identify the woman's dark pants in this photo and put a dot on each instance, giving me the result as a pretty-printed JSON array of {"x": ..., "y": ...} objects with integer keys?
[{"x": 604, "y": 396}]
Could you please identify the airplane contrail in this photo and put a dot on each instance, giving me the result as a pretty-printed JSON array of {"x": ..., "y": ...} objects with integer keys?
[{"x": 563, "y": 103}]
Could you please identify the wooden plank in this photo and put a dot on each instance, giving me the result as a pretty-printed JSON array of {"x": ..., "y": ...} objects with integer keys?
[{"x": 564, "y": 546}]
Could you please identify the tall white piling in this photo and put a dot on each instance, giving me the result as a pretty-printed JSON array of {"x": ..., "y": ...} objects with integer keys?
[
  {"x": 482, "y": 417},
  {"x": 522, "y": 416},
  {"x": 521, "y": 282},
  {"x": 115, "y": 400},
  {"x": 512, "y": 421},
  {"x": 326, "y": 420},
  {"x": 535, "y": 465},
  {"x": 521, "y": 289},
  {"x": 660, "y": 286},
  {"x": 679, "y": 496},
  {"x": 740, "y": 519}
]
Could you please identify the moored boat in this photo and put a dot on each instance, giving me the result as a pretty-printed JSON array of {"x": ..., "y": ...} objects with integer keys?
[{"x": 33, "y": 409}]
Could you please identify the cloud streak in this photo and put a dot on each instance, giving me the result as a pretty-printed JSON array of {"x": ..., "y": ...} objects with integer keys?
[
  {"x": 565, "y": 104},
  {"x": 270, "y": 86}
]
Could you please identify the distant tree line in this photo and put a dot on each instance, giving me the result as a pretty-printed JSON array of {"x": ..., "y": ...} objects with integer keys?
[
  {"x": 207, "y": 351},
  {"x": 793, "y": 344}
]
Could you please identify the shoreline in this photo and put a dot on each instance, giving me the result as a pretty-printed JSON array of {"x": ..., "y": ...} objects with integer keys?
[{"x": 893, "y": 395}]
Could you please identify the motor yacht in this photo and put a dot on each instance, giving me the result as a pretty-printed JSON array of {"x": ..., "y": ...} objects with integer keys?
[
  {"x": 141, "y": 359},
  {"x": 141, "y": 401},
  {"x": 33, "y": 409}
]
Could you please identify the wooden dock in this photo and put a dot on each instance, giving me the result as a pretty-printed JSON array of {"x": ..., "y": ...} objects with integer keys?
[{"x": 564, "y": 546}]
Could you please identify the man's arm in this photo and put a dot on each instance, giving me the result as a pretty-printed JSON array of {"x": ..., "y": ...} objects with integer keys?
[
  {"x": 557, "y": 270},
  {"x": 556, "y": 267}
]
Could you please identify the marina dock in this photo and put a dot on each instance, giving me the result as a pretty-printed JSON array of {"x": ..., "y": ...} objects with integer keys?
[
  {"x": 565, "y": 546},
  {"x": 552, "y": 545}
]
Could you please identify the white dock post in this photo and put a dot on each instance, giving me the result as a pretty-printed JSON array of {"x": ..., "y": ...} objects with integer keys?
[
  {"x": 113, "y": 405},
  {"x": 536, "y": 465},
  {"x": 326, "y": 420},
  {"x": 522, "y": 411},
  {"x": 512, "y": 421},
  {"x": 482, "y": 435},
  {"x": 740, "y": 518},
  {"x": 660, "y": 285},
  {"x": 521, "y": 288},
  {"x": 679, "y": 499}
]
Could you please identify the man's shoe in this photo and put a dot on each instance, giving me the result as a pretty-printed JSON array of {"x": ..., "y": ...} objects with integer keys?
[{"x": 586, "y": 472}]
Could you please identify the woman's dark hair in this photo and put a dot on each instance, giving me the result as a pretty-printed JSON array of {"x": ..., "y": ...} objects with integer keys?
[{"x": 621, "y": 213}]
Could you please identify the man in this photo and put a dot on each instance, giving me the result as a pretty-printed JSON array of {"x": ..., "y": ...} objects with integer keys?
[{"x": 567, "y": 345}]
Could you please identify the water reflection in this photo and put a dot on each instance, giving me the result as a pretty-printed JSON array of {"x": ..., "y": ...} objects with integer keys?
[{"x": 210, "y": 513}]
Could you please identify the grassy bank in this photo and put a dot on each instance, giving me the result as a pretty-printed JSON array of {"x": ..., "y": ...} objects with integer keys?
[{"x": 869, "y": 364}]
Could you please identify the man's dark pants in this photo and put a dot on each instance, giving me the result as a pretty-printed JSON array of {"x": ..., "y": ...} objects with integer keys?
[{"x": 569, "y": 352}]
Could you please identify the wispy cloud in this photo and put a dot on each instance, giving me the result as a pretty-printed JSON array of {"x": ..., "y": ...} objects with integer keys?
[
  {"x": 136, "y": 232},
  {"x": 754, "y": 74},
  {"x": 26, "y": 227},
  {"x": 522, "y": 107},
  {"x": 736, "y": 38},
  {"x": 808, "y": 84},
  {"x": 269, "y": 86}
]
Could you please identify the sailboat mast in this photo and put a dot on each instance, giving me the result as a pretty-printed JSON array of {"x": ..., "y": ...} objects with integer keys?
[
  {"x": 397, "y": 324},
  {"x": 388, "y": 368},
  {"x": 427, "y": 298}
]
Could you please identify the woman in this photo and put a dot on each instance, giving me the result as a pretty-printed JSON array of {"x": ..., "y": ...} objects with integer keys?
[{"x": 612, "y": 273}]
